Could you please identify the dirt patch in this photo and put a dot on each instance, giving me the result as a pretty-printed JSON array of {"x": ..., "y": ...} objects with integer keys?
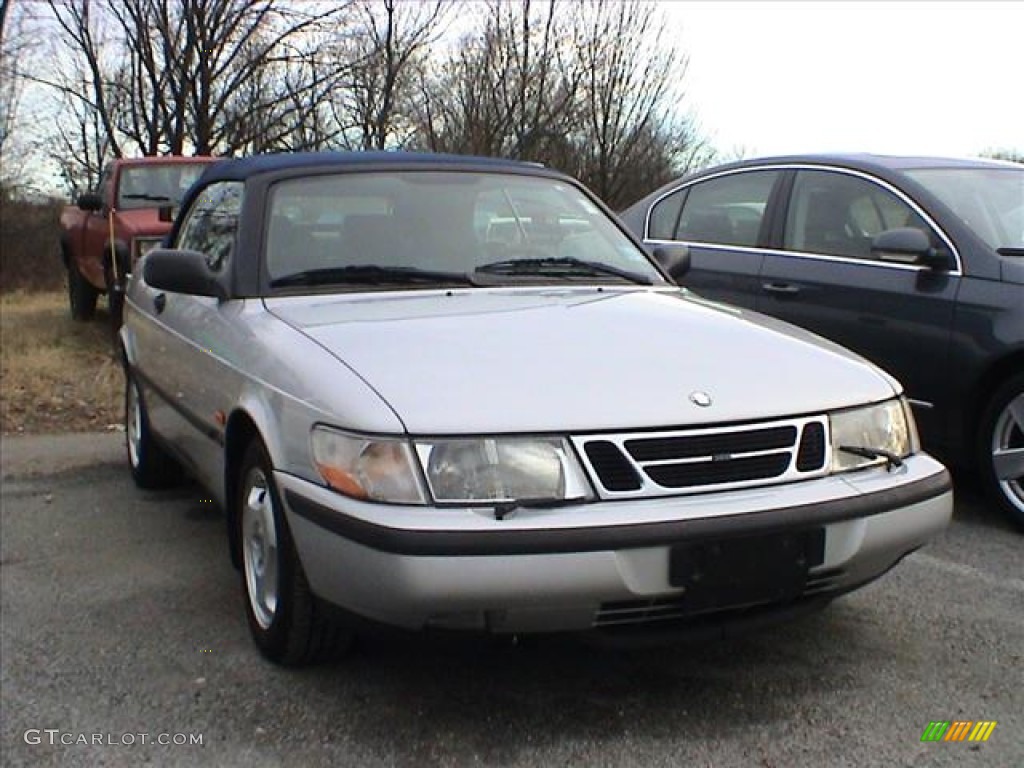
[{"x": 57, "y": 375}]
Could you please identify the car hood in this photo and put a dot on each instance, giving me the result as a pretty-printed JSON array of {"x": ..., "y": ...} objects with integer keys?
[{"x": 554, "y": 360}]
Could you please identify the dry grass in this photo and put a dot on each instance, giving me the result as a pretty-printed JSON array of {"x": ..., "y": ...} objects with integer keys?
[{"x": 57, "y": 375}]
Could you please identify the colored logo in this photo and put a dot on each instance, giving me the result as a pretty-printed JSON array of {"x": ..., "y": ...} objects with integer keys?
[{"x": 958, "y": 730}]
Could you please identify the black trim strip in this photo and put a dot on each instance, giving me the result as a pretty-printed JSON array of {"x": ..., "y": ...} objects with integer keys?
[
  {"x": 207, "y": 429},
  {"x": 402, "y": 541}
]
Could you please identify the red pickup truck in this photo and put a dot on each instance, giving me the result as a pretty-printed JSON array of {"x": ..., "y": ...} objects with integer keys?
[{"x": 106, "y": 232}]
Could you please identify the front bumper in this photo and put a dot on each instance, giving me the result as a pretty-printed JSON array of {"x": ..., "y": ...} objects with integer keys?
[{"x": 593, "y": 565}]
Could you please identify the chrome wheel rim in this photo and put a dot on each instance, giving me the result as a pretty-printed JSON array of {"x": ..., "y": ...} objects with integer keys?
[
  {"x": 133, "y": 423},
  {"x": 1008, "y": 451},
  {"x": 259, "y": 548}
]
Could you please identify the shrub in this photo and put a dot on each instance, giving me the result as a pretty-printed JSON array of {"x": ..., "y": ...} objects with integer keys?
[{"x": 29, "y": 244}]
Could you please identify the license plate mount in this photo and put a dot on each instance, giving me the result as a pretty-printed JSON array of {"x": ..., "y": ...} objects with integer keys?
[{"x": 745, "y": 570}]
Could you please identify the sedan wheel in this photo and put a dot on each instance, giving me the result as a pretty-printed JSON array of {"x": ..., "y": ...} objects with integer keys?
[
  {"x": 151, "y": 465},
  {"x": 287, "y": 622},
  {"x": 1003, "y": 450},
  {"x": 259, "y": 549}
]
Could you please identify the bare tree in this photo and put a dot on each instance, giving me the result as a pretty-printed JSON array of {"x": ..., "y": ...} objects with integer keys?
[
  {"x": 17, "y": 52},
  {"x": 509, "y": 90},
  {"x": 591, "y": 88},
  {"x": 387, "y": 43},
  {"x": 632, "y": 135},
  {"x": 191, "y": 76}
]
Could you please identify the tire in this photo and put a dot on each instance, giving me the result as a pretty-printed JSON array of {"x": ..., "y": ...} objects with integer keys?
[
  {"x": 1002, "y": 434},
  {"x": 81, "y": 294},
  {"x": 152, "y": 467},
  {"x": 287, "y": 622}
]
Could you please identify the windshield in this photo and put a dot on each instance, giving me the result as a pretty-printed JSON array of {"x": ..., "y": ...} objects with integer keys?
[
  {"x": 151, "y": 186},
  {"x": 418, "y": 227},
  {"x": 989, "y": 200}
]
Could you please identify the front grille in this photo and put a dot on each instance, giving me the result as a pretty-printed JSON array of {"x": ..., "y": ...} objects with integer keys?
[
  {"x": 693, "y": 446},
  {"x": 719, "y": 471},
  {"x": 616, "y": 473},
  {"x": 812, "y": 448},
  {"x": 706, "y": 459}
]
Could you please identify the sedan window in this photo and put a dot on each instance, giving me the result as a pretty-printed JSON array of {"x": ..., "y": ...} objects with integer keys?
[
  {"x": 665, "y": 216},
  {"x": 727, "y": 209},
  {"x": 988, "y": 200},
  {"x": 838, "y": 214}
]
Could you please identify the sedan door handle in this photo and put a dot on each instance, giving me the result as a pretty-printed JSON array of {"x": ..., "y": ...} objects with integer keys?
[
  {"x": 160, "y": 301},
  {"x": 785, "y": 289}
]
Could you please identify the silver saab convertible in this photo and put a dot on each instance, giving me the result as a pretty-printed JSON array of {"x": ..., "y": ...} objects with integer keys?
[{"x": 440, "y": 392}]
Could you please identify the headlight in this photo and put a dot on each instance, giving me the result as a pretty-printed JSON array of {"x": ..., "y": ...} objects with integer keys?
[
  {"x": 502, "y": 469},
  {"x": 885, "y": 428},
  {"x": 372, "y": 468}
]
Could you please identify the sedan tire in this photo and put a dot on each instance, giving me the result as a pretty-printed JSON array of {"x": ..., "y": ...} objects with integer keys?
[
  {"x": 152, "y": 467},
  {"x": 1001, "y": 448},
  {"x": 287, "y": 622}
]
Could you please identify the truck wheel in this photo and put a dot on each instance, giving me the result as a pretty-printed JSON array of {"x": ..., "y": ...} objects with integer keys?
[
  {"x": 151, "y": 466},
  {"x": 115, "y": 303},
  {"x": 1001, "y": 448},
  {"x": 287, "y": 622},
  {"x": 81, "y": 294}
]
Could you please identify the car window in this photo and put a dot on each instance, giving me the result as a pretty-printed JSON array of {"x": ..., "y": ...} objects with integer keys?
[
  {"x": 838, "y": 214},
  {"x": 147, "y": 186},
  {"x": 212, "y": 222},
  {"x": 665, "y": 216},
  {"x": 450, "y": 222},
  {"x": 988, "y": 200},
  {"x": 728, "y": 209}
]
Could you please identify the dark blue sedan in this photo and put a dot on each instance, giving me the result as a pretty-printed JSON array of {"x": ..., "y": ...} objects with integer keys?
[{"x": 916, "y": 263}]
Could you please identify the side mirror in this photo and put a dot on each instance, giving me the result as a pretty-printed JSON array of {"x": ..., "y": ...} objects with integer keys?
[
  {"x": 90, "y": 201},
  {"x": 165, "y": 213},
  {"x": 907, "y": 245},
  {"x": 179, "y": 271},
  {"x": 673, "y": 259}
]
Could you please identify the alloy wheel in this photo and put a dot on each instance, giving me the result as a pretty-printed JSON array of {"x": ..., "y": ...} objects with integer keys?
[{"x": 259, "y": 548}]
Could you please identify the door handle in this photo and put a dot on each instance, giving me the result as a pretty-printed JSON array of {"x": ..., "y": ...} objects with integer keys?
[
  {"x": 160, "y": 301},
  {"x": 783, "y": 289}
]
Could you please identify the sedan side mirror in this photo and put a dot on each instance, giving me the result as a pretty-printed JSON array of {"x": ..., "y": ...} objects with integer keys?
[
  {"x": 90, "y": 201},
  {"x": 907, "y": 245},
  {"x": 673, "y": 259},
  {"x": 179, "y": 271}
]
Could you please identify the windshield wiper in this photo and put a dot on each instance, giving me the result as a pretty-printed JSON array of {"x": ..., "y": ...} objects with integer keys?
[
  {"x": 892, "y": 461},
  {"x": 371, "y": 274},
  {"x": 566, "y": 267},
  {"x": 1010, "y": 251}
]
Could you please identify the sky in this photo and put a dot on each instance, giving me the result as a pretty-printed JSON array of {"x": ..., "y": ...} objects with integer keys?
[{"x": 930, "y": 78}]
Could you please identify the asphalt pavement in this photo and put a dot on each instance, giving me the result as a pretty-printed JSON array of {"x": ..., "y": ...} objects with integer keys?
[{"x": 123, "y": 626}]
